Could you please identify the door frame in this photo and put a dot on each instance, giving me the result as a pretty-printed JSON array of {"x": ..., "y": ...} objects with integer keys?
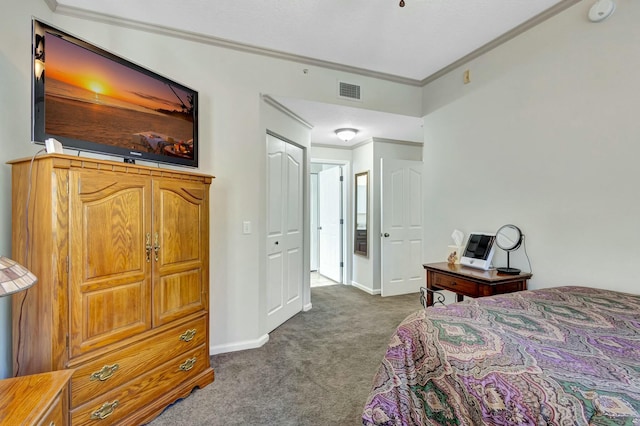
[
  {"x": 313, "y": 221},
  {"x": 347, "y": 241},
  {"x": 334, "y": 268}
]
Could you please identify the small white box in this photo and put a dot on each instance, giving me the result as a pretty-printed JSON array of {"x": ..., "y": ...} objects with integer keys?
[{"x": 53, "y": 146}]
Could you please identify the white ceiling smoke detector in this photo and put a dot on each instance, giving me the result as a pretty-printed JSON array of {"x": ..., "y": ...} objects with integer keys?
[{"x": 601, "y": 10}]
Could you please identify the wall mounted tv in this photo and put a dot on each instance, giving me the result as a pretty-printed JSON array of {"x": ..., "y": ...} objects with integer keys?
[{"x": 92, "y": 100}]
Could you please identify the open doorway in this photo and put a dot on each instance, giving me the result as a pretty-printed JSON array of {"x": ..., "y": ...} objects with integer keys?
[{"x": 327, "y": 242}]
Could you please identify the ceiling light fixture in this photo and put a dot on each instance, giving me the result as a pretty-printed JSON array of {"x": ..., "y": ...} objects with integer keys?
[{"x": 346, "y": 134}]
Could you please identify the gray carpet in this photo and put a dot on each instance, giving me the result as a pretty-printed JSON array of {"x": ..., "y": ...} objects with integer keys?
[{"x": 316, "y": 368}]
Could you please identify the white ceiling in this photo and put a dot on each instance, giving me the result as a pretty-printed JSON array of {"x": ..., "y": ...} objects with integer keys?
[
  {"x": 326, "y": 118},
  {"x": 374, "y": 37}
]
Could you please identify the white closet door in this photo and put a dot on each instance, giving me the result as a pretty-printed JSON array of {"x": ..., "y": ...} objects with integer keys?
[{"x": 285, "y": 251}]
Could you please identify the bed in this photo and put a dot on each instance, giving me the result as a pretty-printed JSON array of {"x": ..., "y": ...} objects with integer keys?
[{"x": 557, "y": 356}]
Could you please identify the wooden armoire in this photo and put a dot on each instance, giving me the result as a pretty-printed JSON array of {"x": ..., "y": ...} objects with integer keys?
[{"x": 121, "y": 253}]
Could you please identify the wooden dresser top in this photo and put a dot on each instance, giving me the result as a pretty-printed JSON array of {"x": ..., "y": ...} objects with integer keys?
[
  {"x": 473, "y": 273},
  {"x": 25, "y": 398}
]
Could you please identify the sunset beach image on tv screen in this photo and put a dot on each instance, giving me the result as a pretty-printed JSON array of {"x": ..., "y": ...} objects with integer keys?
[{"x": 91, "y": 97}]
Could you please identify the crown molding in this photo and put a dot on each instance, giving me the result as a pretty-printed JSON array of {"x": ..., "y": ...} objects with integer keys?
[
  {"x": 220, "y": 42},
  {"x": 397, "y": 141},
  {"x": 277, "y": 105},
  {"x": 516, "y": 31},
  {"x": 326, "y": 145},
  {"x": 247, "y": 48},
  {"x": 53, "y": 4},
  {"x": 367, "y": 142}
]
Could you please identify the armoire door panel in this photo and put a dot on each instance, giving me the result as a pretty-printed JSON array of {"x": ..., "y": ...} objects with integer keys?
[
  {"x": 179, "y": 263},
  {"x": 178, "y": 295},
  {"x": 179, "y": 233},
  {"x": 113, "y": 234},
  {"x": 110, "y": 221},
  {"x": 101, "y": 326},
  {"x": 178, "y": 221}
]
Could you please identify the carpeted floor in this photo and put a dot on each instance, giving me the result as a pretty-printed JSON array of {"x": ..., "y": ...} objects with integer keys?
[{"x": 316, "y": 368}]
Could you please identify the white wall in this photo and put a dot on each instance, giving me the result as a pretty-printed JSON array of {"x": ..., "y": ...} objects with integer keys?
[
  {"x": 322, "y": 153},
  {"x": 231, "y": 132},
  {"x": 546, "y": 137},
  {"x": 366, "y": 157},
  {"x": 363, "y": 276},
  {"x": 15, "y": 119}
]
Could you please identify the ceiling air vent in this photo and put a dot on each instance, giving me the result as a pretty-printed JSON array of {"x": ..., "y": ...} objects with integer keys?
[{"x": 349, "y": 91}]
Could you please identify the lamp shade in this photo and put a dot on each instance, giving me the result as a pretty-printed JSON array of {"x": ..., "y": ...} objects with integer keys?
[
  {"x": 14, "y": 277},
  {"x": 346, "y": 134}
]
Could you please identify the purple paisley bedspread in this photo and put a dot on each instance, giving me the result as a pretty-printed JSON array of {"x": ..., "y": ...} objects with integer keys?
[{"x": 557, "y": 356}]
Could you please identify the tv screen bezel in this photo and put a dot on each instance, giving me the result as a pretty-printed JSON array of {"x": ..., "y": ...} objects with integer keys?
[{"x": 38, "y": 115}]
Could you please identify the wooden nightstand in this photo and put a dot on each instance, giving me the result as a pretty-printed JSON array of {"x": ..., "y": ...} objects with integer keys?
[
  {"x": 465, "y": 281},
  {"x": 38, "y": 399}
]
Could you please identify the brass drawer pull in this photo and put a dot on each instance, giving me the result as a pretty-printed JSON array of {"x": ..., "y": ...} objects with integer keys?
[
  {"x": 104, "y": 374},
  {"x": 105, "y": 411},
  {"x": 188, "y": 335},
  {"x": 188, "y": 364}
]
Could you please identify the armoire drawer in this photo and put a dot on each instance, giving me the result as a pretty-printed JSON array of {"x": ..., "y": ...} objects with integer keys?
[
  {"x": 105, "y": 373},
  {"x": 119, "y": 403}
]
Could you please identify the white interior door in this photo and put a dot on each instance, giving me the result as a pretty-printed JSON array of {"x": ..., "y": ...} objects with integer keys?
[
  {"x": 313, "y": 235},
  {"x": 402, "y": 224},
  {"x": 329, "y": 218},
  {"x": 284, "y": 231}
]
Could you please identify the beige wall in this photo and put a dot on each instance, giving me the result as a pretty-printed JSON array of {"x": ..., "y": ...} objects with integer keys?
[
  {"x": 230, "y": 85},
  {"x": 15, "y": 119},
  {"x": 549, "y": 120},
  {"x": 367, "y": 270},
  {"x": 546, "y": 137},
  {"x": 362, "y": 276}
]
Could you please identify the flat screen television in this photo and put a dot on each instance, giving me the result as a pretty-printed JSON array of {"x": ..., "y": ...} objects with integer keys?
[{"x": 93, "y": 100}]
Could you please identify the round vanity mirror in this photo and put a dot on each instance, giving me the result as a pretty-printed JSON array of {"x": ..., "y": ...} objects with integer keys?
[{"x": 508, "y": 238}]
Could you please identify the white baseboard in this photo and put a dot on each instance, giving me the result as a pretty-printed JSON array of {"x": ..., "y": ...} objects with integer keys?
[
  {"x": 365, "y": 288},
  {"x": 239, "y": 346},
  {"x": 410, "y": 287},
  {"x": 306, "y": 307}
]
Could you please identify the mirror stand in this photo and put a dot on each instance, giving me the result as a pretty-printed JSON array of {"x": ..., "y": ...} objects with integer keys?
[{"x": 509, "y": 238}]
